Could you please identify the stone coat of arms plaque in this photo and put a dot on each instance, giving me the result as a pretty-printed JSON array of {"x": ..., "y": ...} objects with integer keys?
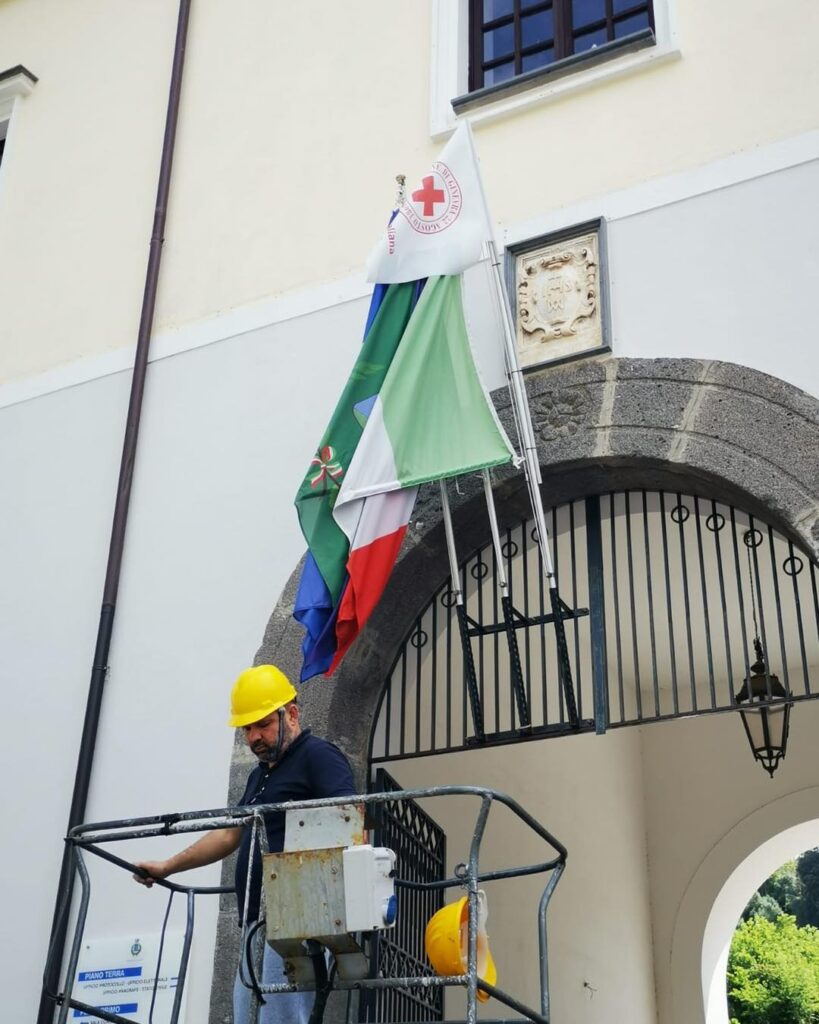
[{"x": 558, "y": 300}]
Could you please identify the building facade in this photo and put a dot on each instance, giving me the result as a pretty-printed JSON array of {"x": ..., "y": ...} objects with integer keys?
[{"x": 685, "y": 137}]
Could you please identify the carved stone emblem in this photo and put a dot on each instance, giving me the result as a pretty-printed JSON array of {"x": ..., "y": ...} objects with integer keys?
[
  {"x": 560, "y": 413},
  {"x": 558, "y": 289}
]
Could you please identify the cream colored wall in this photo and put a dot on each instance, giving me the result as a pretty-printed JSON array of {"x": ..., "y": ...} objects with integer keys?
[
  {"x": 701, "y": 788},
  {"x": 588, "y": 792},
  {"x": 79, "y": 175},
  {"x": 285, "y": 162}
]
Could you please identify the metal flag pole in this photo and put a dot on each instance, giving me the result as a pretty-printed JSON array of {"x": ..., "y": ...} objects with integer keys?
[
  {"x": 531, "y": 467},
  {"x": 463, "y": 625},
  {"x": 508, "y": 611},
  {"x": 531, "y": 463}
]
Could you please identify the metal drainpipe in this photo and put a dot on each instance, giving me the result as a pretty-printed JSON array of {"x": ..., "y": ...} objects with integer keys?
[{"x": 126, "y": 473}]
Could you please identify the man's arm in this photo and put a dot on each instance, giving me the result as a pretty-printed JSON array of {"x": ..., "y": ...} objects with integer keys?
[{"x": 211, "y": 847}]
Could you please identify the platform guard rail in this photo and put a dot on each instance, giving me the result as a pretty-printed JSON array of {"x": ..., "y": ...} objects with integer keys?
[{"x": 93, "y": 839}]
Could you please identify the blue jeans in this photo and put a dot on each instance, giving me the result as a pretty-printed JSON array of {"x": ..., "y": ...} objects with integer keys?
[{"x": 279, "y": 1008}]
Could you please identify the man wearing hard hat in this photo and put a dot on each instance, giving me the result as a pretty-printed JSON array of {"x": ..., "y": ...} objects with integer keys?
[{"x": 293, "y": 765}]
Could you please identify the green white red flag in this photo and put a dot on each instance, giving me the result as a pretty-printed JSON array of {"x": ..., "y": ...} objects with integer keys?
[{"x": 432, "y": 419}]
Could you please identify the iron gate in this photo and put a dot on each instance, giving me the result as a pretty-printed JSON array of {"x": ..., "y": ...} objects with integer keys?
[
  {"x": 419, "y": 843},
  {"x": 668, "y": 590}
]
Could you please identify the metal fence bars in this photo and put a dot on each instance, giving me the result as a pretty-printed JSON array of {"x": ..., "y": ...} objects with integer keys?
[
  {"x": 420, "y": 845},
  {"x": 94, "y": 839},
  {"x": 668, "y": 592}
]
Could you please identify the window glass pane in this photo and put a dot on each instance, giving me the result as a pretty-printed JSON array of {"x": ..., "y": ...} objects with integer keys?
[
  {"x": 587, "y": 40},
  {"x": 526, "y": 4},
  {"x": 498, "y": 42},
  {"x": 538, "y": 60},
  {"x": 497, "y": 9},
  {"x": 584, "y": 12},
  {"x": 537, "y": 28},
  {"x": 499, "y": 74},
  {"x": 631, "y": 24},
  {"x": 618, "y": 6}
]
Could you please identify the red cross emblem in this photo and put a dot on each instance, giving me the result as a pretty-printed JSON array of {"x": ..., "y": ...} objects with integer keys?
[
  {"x": 429, "y": 195},
  {"x": 439, "y": 189}
]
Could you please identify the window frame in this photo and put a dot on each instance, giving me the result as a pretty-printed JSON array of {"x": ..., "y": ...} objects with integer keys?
[
  {"x": 450, "y": 100},
  {"x": 563, "y": 40},
  {"x": 15, "y": 83}
]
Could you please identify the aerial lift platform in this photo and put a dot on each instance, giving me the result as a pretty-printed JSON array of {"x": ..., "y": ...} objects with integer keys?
[{"x": 328, "y": 890}]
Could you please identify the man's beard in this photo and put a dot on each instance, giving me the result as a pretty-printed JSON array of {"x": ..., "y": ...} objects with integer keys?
[{"x": 267, "y": 753}]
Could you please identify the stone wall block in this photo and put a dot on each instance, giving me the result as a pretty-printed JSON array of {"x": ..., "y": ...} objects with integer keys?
[
  {"x": 773, "y": 390},
  {"x": 680, "y": 370},
  {"x": 651, "y": 404},
  {"x": 774, "y": 434},
  {"x": 780, "y": 496},
  {"x": 641, "y": 443}
]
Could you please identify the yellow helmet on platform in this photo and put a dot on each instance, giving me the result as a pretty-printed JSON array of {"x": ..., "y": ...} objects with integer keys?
[
  {"x": 257, "y": 693},
  {"x": 446, "y": 939}
]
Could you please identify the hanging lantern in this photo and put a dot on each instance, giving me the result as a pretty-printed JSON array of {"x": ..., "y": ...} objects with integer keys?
[{"x": 766, "y": 713}]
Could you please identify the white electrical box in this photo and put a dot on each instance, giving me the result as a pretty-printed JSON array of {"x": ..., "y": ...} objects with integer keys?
[{"x": 369, "y": 888}]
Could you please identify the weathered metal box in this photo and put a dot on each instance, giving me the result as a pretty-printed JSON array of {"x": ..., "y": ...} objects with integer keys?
[
  {"x": 304, "y": 892},
  {"x": 304, "y": 884}
]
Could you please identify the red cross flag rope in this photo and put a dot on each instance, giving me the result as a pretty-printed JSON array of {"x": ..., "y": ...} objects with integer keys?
[{"x": 442, "y": 227}]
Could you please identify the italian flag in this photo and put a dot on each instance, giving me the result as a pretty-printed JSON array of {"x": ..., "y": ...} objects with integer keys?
[{"x": 432, "y": 419}]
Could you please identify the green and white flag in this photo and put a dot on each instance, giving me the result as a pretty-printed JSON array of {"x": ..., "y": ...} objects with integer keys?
[{"x": 432, "y": 418}]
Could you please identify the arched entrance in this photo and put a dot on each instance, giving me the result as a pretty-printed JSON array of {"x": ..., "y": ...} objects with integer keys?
[
  {"x": 712, "y": 432},
  {"x": 749, "y": 851}
]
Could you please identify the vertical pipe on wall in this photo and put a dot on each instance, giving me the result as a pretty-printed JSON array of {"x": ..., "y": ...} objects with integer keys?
[{"x": 117, "y": 543}]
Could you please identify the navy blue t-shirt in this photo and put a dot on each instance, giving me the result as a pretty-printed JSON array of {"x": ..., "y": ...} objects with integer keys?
[{"x": 309, "y": 769}]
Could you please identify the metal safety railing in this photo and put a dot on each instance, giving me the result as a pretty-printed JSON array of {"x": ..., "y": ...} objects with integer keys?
[{"x": 94, "y": 838}]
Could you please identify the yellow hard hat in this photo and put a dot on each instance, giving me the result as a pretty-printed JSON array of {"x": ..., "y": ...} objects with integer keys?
[
  {"x": 257, "y": 693},
  {"x": 446, "y": 941}
]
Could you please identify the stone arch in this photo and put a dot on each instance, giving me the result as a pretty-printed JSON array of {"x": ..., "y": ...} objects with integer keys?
[{"x": 704, "y": 427}]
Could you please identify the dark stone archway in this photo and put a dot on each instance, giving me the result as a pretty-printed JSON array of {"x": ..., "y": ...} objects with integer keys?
[{"x": 703, "y": 427}]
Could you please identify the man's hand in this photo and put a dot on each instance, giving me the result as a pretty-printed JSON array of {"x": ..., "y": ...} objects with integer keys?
[
  {"x": 153, "y": 869},
  {"x": 211, "y": 847}
]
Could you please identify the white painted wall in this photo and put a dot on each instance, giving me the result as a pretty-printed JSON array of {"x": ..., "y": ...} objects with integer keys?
[
  {"x": 729, "y": 275},
  {"x": 708, "y": 808},
  {"x": 670, "y": 829},
  {"x": 227, "y": 431},
  {"x": 587, "y": 791}
]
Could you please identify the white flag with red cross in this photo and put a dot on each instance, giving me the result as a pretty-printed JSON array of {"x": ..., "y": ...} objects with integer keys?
[{"x": 441, "y": 225}]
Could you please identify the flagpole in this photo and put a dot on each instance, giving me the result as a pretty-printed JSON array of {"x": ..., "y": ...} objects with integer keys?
[
  {"x": 531, "y": 462},
  {"x": 463, "y": 625},
  {"x": 507, "y": 609},
  {"x": 531, "y": 465}
]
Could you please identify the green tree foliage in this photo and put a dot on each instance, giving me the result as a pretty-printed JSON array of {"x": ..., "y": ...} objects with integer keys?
[
  {"x": 773, "y": 972},
  {"x": 762, "y": 905},
  {"x": 779, "y": 894},
  {"x": 807, "y": 870}
]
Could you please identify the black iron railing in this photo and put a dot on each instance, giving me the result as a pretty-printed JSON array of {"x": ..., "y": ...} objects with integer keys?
[{"x": 420, "y": 846}]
